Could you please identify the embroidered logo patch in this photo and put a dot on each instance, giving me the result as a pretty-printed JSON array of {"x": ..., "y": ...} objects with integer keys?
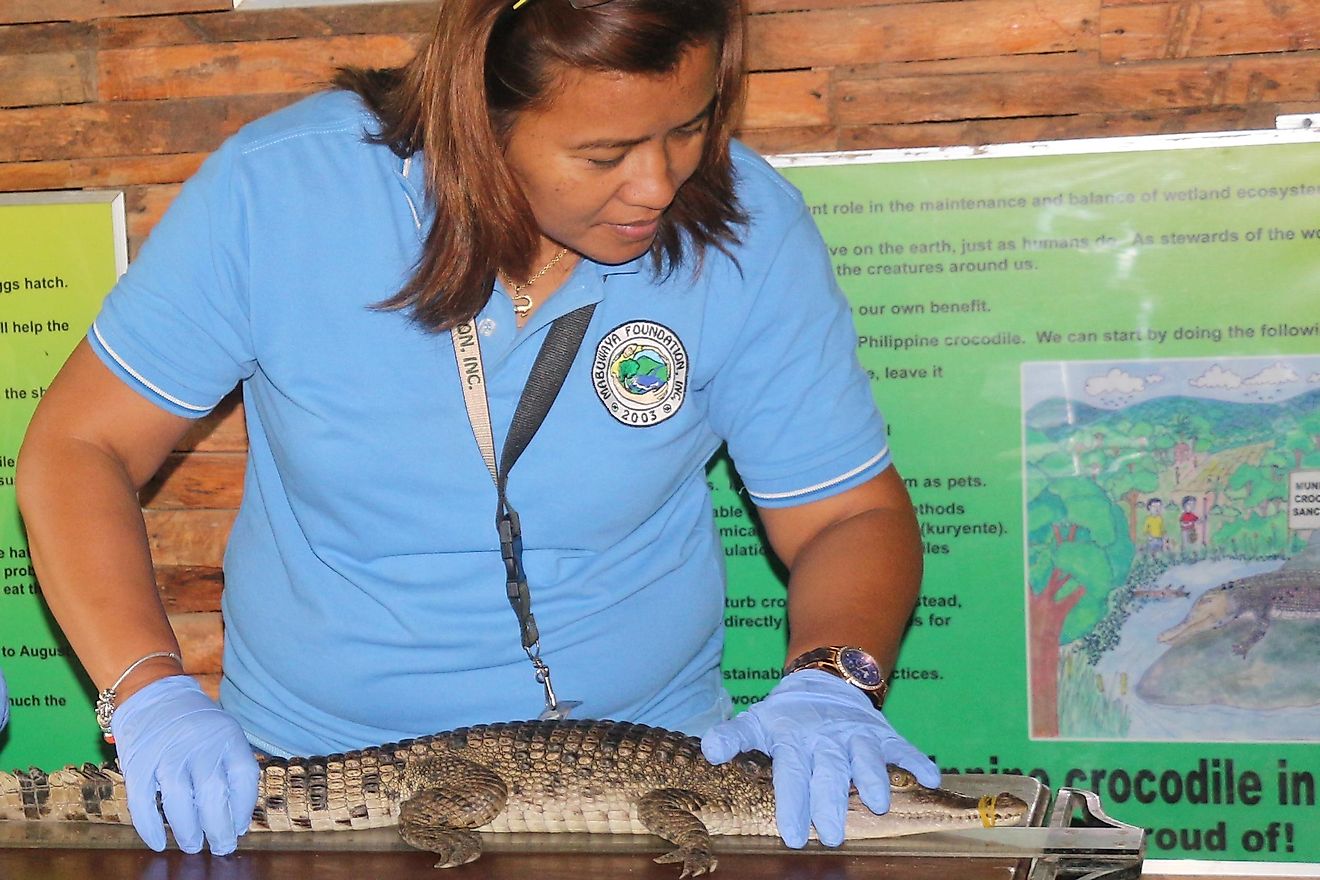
[{"x": 640, "y": 373}]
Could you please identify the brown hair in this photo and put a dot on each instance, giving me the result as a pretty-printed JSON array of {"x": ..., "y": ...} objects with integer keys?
[{"x": 485, "y": 63}]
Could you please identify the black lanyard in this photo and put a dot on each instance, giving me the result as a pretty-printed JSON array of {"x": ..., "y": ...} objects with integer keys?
[{"x": 547, "y": 377}]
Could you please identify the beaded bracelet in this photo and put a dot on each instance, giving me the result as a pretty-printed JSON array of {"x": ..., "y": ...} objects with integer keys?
[{"x": 105, "y": 700}]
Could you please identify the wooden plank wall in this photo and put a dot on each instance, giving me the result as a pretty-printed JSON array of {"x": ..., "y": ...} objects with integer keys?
[{"x": 132, "y": 94}]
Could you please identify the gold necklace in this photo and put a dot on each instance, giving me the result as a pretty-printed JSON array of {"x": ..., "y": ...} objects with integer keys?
[{"x": 522, "y": 303}]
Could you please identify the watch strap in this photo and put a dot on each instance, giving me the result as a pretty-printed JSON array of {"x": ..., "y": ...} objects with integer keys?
[{"x": 827, "y": 659}]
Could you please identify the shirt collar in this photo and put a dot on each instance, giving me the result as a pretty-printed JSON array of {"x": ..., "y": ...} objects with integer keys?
[{"x": 585, "y": 285}]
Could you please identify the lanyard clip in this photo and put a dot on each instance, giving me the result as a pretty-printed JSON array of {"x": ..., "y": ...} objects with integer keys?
[{"x": 555, "y": 710}]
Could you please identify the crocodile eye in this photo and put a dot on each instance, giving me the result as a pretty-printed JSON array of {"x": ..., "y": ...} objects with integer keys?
[{"x": 901, "y": 779}]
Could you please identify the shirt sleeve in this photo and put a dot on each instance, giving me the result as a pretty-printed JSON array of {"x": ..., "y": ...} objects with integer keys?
[
  {"x": 175, "y": 327},
  {"x": 792, "y": 400}
]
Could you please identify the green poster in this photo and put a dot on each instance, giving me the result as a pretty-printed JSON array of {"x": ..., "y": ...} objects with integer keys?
[
  {"x": 60, "y": 253},
  {"x": 1101, "y": 372}
]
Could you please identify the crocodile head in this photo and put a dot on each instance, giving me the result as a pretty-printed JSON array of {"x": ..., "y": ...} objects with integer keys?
[
  {"x": 915, "y": 809},
  {"x": 1213, "y": 610}
]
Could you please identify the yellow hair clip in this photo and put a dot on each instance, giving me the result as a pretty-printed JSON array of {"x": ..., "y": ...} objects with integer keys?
[{"x": 517, "y": 3}]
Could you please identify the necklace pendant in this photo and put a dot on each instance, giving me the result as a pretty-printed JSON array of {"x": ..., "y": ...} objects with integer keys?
[{"x": 522, "y": 304}]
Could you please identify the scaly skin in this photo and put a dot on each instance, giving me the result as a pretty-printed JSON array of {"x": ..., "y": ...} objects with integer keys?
[{"x": 585, "y": 776}]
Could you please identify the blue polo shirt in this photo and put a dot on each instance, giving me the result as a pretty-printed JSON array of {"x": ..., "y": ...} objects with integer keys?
[{"x": 364, "y": 590}]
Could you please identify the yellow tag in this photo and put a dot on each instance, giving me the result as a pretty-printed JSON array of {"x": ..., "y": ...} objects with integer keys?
[{"x": 986, "y": 807}]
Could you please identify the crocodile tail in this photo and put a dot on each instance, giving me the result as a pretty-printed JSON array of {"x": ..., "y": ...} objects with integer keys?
[
  {"x": 89, "y": 793},
  {"x": 338, "y": 792},
  {"x": 301, "y": 794}
]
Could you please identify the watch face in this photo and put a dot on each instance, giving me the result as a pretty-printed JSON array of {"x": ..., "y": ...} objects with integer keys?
[{"x": 861, "y": 667}]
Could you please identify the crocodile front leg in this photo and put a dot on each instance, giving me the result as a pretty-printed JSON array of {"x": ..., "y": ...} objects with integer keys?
[
  {"x": 671, "y": 813},
  {"x": 1244, "y": 647},
  {"x": 450, "y": 796}
]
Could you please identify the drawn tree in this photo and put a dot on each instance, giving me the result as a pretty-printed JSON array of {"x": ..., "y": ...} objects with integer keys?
[
  {"x": 1078, "y": 551},
  {"x": 1303, "y": 440},
  {"x": 1260, "y": 492},
  {"x": 1162, "y": 443},
  {"x": 1261, "y": 487},
  {"x": 1187, "y": 429},
  {"x": 1300, "y": 445},
  {"x": 1128, "y": 478},
  {"x": 1311, "y": 426}
]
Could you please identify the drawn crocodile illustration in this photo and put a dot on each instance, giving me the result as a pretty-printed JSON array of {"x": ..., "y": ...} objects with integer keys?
[
  {"x": 584, "y": 776},
  {"x": 1276, "y": 595}
]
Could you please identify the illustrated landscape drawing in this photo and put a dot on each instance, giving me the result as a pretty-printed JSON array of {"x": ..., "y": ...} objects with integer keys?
[{"x": 1168, "y": 598}]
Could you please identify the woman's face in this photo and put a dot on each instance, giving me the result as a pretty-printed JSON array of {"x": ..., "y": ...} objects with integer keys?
[{"x": 604, "y": 160}]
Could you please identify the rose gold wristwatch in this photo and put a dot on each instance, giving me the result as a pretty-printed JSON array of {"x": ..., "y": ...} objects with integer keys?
[{"x": 849, "y": 663}]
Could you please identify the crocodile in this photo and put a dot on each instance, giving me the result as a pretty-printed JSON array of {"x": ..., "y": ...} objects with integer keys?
[
  {"x": 566, "y": 775},
  {"x": 1275, "y": 595}
]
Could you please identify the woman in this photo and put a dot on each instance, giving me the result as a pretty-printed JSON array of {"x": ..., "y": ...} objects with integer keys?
[{"x": 378, "y": 266}]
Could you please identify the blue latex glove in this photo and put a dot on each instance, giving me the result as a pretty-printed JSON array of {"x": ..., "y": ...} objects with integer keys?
[
  {"x": 824, "y": 735},
  {"x": 4, "y": 702},
  {"x": 173, "y": 738}
]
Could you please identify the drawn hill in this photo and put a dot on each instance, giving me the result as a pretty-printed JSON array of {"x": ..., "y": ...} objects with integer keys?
[{"x": 1225, "y": 423}]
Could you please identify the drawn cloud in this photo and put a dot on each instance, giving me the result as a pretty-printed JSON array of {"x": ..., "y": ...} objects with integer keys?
[
  {"x": 1217, "y": 377},
  {"x": 1275, "y": 374},
  {"x": 1115, "y": 382}
]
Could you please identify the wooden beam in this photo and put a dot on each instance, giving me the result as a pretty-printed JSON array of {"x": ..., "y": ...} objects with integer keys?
[
  {"x": 196, "y": 481},
  {"x": 22, "y": 39},
  {"x": 221, "y": 431},
  {"x": 980, "y": 132},
  {"x": 219, "y": 69},
  {"x": 143, "y": 208},
  {"x": 109, "y": 173},
  {"x": 791, "y": 99},
  {"x": 761, "y": 6},
  {"x": 201, "y": 635},
  {"x": 1168, "y": 86},
  {"x": 188, "y": 537},
  {"x": 1158, "y": 30},
  {"x": 189, "y": 588},
  {"x": 804, "y": 139},
  {"x": 267, "y": 24},
  {"x": 85, "y": 131},
  {"x": 47, "y": 78},
  {"x": 909, "y": 32},
  {"x": 15, "y": 11},
  {"x": 1060, "y": 64}
]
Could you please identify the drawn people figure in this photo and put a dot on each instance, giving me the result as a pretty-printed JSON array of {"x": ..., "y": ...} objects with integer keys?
[
  {"x": 1188, "y": 521},
  {"x": 1153, "y": 526}
]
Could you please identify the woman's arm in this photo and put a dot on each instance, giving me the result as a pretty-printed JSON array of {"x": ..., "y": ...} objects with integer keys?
[
  {"x": 92, "y": 443},
  {"x": 854, "y": 563}
]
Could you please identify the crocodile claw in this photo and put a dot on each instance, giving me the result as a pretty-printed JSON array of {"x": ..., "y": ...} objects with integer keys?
[
  {"x": 694, "y": 863},
  {"x": 455, "y": 847}
]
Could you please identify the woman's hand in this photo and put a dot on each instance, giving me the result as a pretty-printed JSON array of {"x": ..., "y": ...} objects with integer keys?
[
  {"x": 174, "y": 739},
  {"x": 824, "y": 736}
]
